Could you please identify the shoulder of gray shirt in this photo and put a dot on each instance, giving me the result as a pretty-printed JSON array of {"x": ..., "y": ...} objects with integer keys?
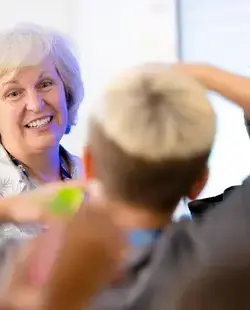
[{"x": 223, "y": 232}]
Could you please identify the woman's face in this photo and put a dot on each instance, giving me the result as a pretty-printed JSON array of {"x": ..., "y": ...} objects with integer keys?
[{"x": 33, "y": 109}]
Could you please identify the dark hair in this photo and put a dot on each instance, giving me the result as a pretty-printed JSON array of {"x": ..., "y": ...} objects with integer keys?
[{"x": 156, "y": 185}]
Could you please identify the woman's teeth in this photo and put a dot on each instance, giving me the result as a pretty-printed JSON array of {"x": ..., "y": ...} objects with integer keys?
[{"x": 40, "y": 122}]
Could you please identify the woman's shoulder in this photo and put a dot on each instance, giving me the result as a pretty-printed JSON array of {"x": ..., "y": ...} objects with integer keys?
[
  {"x": 77, "y": 167},
  {"x": 75, "y": 164}
]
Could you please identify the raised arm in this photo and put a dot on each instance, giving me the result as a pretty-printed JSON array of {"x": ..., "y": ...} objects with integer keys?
[{"x": 234, "y": 87}]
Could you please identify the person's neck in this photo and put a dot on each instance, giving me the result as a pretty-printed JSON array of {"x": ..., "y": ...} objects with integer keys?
[
  {"x": 126, "y": 215},
  {"x": 136, "y": 217},
  {"x": 43, "y": 166}
]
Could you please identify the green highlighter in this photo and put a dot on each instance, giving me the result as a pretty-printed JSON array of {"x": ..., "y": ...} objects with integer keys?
[{"x": 66, "y": 202}]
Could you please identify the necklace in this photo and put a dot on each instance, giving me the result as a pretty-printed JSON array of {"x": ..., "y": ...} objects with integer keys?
[{"x": 65, "y": 175}]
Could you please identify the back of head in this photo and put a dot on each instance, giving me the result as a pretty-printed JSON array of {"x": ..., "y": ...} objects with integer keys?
[{"x": 150, "y": 137}]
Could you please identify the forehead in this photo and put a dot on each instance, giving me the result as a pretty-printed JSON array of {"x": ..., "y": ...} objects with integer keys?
[{"x": 34, "y": 72}]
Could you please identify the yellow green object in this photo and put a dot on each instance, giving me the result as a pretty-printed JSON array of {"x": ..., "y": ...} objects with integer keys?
[{"x": 66, "y": 202}]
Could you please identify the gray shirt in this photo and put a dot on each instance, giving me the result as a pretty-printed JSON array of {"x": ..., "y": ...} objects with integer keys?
[{"x": 154, "y": 274}]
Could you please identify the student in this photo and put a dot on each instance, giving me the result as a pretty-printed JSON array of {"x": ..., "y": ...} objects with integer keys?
[{"x": 149, "y": 140}]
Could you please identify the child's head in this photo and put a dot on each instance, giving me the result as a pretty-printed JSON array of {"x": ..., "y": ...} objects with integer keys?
[{"x": 150, "y": 138}]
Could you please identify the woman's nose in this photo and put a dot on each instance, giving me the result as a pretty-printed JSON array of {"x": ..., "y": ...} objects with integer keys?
[{"x": 34, "y": 102}]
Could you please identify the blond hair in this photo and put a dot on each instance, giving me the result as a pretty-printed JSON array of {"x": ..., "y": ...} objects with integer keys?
[
  {"x": 29, "y": 45},
  {"x": 150, "y": 136},
  {"x": 154, "y": 112}
]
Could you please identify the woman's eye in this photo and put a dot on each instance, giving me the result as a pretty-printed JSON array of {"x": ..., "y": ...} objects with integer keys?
[
  {"x": 46, "y": 84},
  {"x": 13, "y": 94}
]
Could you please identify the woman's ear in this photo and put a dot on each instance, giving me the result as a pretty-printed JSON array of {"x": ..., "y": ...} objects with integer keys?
[
  {"x": 199, "y": 185},
  {"x": 87, "y": 164}
]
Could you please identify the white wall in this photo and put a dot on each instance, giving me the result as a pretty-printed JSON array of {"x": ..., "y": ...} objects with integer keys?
[
  {"x": 218, "y": 32},
  {"x": 114, "y": 34},
  {"x": 56, "y": 13}
]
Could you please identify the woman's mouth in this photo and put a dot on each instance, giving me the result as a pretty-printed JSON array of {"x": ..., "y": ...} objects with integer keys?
[{"x": 39, "y": 123}]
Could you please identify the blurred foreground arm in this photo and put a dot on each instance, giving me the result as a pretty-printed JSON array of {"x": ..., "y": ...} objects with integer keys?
[
  {"x": 87, "y": 258},
  {"x": 33, "y": 206}
]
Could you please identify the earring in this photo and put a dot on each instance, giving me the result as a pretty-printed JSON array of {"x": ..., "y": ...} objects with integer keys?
[{"x": 68, "y": 129}]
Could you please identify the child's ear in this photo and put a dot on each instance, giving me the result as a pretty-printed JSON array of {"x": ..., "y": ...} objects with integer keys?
[
  {"x": 87, "y": 163},
  {"x": 199, "y": 185}
]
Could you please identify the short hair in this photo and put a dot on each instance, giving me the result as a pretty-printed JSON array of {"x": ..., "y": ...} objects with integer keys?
[
  {"x": 29, "y": 44},
  {"x": 150, "y": 136}
]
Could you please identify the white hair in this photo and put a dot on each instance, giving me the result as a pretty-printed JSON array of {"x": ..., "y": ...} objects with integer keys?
[
  {"x": 155, "y": 113},
  {"x": 29, "y": 45}
]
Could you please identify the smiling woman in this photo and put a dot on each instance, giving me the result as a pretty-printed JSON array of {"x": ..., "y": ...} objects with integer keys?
[{"x": 40, "y": 93}]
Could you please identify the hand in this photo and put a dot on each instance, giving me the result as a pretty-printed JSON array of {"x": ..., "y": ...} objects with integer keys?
[
  {"x": 33, "y": 206},
  {"x": 90, "y": 251}
]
